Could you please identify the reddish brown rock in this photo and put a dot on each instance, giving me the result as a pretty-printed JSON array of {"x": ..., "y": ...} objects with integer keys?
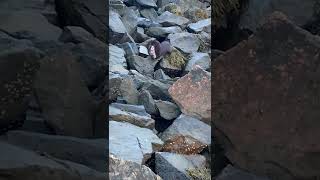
[
  {"x": 266, "y": 101},
  {"x": 192, "y": 93},
  {"x": 183, "y": 145}
]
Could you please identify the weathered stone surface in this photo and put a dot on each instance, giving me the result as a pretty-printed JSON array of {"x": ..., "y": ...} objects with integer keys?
[
  {"x": 266, "y": 101},
  {"x": 63, "y": 147},
  {"x": 169, "y": 19},
  {"x": 117, "y": 30},
  {"x": 116, "y": 114},
  {"x": 160, "y": 75},
  {"x": 299, "y": 12},
  {"x": 117, "y": 61},
  {"x": 147, "y": 3},
  {"x": 137, "y": 109},
  {"x": 19, "y": 62},
  {"x": 200, "y": 59},
  {"x": 188, "y": 126},
  {"x": 168, "y": 110},
  {"x": 144, "y": 66},
  {"x": 174, "y": 166},
  {"x": 63, "y": 96},
  {"x": 192, "y": 93},
  {"x": 28, "y": 25},
  {"x": 200, "y": 25},
  {"x": 232, "y": 173},
  {"x": 121, "y": 169},
  {"x": 149, "y": 13},
  {"x": 196, "y": 14},
  {"x": 183, "y": 145},
  {"x": 148, "y": 102},
  {"x": 18, "y": 163},
  {"x": 128, "y": 90},
  {"x": 90, "y": 15},
  {"x": 163, "y": 32},
  {"x": 130, "y": 142},
  {"x": 186, "y": 42}
]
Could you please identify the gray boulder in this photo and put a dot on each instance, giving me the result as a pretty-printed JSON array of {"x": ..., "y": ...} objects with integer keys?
[
  {"x": 168, "y": 110},
  {"x": 186, "y": 42}
]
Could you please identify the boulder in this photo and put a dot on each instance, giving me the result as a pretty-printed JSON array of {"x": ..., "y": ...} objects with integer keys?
[
  {"x": 18, "y": 163},
  {"x": 143, "y": 65},
  {"x": 147, "y": 3},
  {"x": 63, "y": 96},
  {"x": 199, "y": 26},
  {"x": 63, "y": 147},
  {"x": 136, "y": 109},
  {"x": 192, "y": 93},
  {"x": 175, "y": 166},
  {"x": 131, "y": 143},
  {"x": 198, "y": 59},
  {"x": 163, "y": 32},
  {"x": 117, "y": 30},
  {"x": 169, "y": 19},
  {"x": 121, "y": 169},
  {"x": 265, "y": 104},
  {"x": 160, "y": 75},
  {"x": 186, "y": 42},
  {"x": 183, "y": 144},
  {"x": 148, "y": 102},
  {"x": 168, "y": 110},
  {"x": 149, "y": 13},
  {"x": 117, "y": 61},
  {"x": 28, "y": 26}
]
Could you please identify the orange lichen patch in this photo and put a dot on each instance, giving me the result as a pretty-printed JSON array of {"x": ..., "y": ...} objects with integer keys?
[{"x": 183, "y": 145}]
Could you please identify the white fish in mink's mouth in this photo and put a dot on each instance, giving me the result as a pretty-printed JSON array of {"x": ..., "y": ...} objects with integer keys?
[{"x": 153, "y": 52}]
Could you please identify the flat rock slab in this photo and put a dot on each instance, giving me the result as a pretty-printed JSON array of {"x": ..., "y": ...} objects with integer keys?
[
  {"x": 186, "y": 42},
  {"x": 168, "y": 110},
  {"x": 192, "y": 93},
  {"x": 25, "y": 25},
  {"x": 201, "y": 59},
  {"x": 162, "y": 32},
  {"x": 174, "y": 166},
  {"x": 169, "y": 19},
  {"x": 265, "y": 101},
  {"x": 188, "y": 126},
  {"x": 121, "y": 169},
  {"x": 117, "y": 114},
  {"x": 137, "y": 109},
  {"x": 23, "y": 164},
  {"x": 130, "y": 142},
  {"x": 200, "y": 25},
  {"x": 63, "y": 147},
  {"x": 117, "y": 60}
]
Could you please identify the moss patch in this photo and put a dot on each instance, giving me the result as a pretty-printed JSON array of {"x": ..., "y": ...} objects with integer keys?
[
  {"x": 176, "y": 58},
  {"x": 199, "y": 173}
]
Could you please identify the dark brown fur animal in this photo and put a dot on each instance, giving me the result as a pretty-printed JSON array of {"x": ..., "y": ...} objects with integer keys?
[{"x": 160, "y": 49}]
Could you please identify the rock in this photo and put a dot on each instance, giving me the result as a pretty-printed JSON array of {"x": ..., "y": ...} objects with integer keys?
[
  {"x": 163, "y": 32},
  {"x": 205, "y": 42},
  {"x": 173, "y": 63},
  {"x": 131, "y": 143},
  {"x": 92, "y": 59},
  {"x": 188, "y": 126},
  {"x": 136, "y": 109},
  {"x": 117, "y": 30},
  {"x": 183, "y": 145},
  {"x": 162, "y": 3},
  {"x": 63, "y": 97},
  {"x": 157, "y": 89},
  {"x": 144, "y": 66},
  {"x": 160, "y": 75},
  {"x": 139, "y": 35},
  {"x": 129, "y": 48},
  {"x": 200, "y": 59},
  {"x": 196, "y": 14},
  {"x": 168, "y": 110},
  {"x": 129, "y": 91},
  {"x": 117, "y": 61},
  {"x": 19, "y": 63},
  {"x": 147, "y": 3},
  {"x": 299, "y": 12},
  {"x": 117, "y": 6},
  {"x": 147, "y": 23},
  {"x": 46, "y": 8},
  {"x": 173, "y": 8},
  {"x": 143, "y": 50},
  {"x": 62, "y": 147},
  {"x": 186, "y": 42},
  {"x": 116, "y": 114},
  {"x": 200, "y": 25},
  {"x": 149, "y": 13},
  {"x": 192, "y": 93},
  {"x": 232, "y": 173},
  {"x": 130, "y": 20},
  {"x": 174, "y": 166},
  {"x": 90, "y": 15},
  {"x": 28, "y": 26},
  {"x": 24, "y": 164},
  {"x": 148, "y": 102},
  {"x": 76, "y": 34},
  {"x": 170, "y": 19},
  {"x": 277, "y": 70},
  {"x": 114, "y": 86},
  {"x": 121, "y": 169}
]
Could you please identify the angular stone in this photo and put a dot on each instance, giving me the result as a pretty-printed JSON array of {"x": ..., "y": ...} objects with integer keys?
[
  {"x": 117, "y": 61},
  {"x": 163, "y": 32},
  {"x": 188, "y": 126},
  {"x": 168, "y": 110},
  {"x": 144, "y": 66},
  {"x": 200, "y": 25},
  {"x": 63, "y": 96},
  {"x": 116, "y": 114},
  {"x": 160, "y": 75},
  {"x": 196, "y": 14},
  {"x": 137, "y": 109},
  {"x": 63, "y": 147},
  {"x": 28, "y": 26},
  {"x": 174, "y": 166},
  {"x": 148, "y": 102},
  {"x": 186, "y": 42},
  {"x": 129, "y": 48},
  {"x": 149, "y": 13},
  {"x": 117, "y": 30},
  {"x": 198, "y": 59},
  {"x": 147, "y": 3},
  {"x": 129, "y": 91},
  {"x": 169, "y": 19},
  {"x": 121, "y": 169},
  {"x": 266, "y": 99},
  {"x": 130, "y": 142},
  {"x": 19, "y": 163},
  {"x": 183, "y": 145},
  {"x": 192, "y": 93}
]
